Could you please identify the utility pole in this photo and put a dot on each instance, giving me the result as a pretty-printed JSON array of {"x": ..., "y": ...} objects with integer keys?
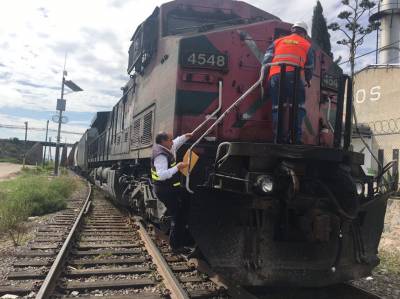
[
  {"x": 59, "y": 103},
  {"x": 61, "y": 107},
  {"x": 44, "y": 151},
  {"x": 26, "y": 131},
  {"x": 50, "y": 157}
]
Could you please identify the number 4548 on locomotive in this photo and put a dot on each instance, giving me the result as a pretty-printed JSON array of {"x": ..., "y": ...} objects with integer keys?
[{"x": 263, "y": 210}]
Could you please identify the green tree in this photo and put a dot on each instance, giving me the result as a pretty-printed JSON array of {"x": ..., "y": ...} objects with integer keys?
[
  {"x": 319, "y": 30},
  {"x": 353, "y": 26}
]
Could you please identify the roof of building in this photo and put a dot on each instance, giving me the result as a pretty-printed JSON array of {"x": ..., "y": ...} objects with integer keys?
[{"x": 379, "y": 66}]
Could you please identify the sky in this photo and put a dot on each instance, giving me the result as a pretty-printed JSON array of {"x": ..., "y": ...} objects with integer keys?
[{"x": 36, "y": 34}]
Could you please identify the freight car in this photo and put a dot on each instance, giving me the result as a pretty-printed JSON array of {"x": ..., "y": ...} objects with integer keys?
[{"x": 262, "y": 211}]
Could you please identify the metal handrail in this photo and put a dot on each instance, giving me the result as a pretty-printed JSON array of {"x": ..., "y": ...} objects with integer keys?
[
  {"x": 328, "y": 116},
  {"x": 259, "y": 82},
  {"x": 229, "y": 109},
  {"x": 218, "y": 120}
]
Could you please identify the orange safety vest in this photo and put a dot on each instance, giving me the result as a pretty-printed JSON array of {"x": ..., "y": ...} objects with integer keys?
[{"x": 292, "y": 48}]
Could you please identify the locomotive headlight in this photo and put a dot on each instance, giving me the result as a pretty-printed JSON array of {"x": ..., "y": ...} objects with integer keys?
[
  {"x": 359, "y": 188},
  {"x": 265, "y": 184}
]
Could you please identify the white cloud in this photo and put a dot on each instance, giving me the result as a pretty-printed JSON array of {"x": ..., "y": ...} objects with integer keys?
[{"x": 36, "y": 34}]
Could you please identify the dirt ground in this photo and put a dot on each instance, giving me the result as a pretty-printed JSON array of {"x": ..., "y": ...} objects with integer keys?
[{"x": 8, "y": 170}]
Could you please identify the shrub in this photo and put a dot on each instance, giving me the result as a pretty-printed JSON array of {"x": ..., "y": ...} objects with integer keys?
[
  {"x": 12, "y": 214},
  {"x": 32, "y": 194}
]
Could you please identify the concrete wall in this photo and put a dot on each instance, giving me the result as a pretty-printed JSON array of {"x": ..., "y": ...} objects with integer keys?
[
  {"x": 376, "y": 100},
  {"x": 377, "y": 93}
]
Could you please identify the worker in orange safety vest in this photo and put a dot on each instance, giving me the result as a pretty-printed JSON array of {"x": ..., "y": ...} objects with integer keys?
[{"x": 294, "y": 49}]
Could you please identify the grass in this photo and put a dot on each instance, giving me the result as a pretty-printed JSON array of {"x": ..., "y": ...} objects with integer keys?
[
  {"x": 33, "y": 193},
  {"x": 10, "y": 160}
]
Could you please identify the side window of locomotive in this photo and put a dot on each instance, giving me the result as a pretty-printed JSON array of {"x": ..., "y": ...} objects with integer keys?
[
  {"x": 194, "y": 18},
  {"x": 143, "y": 44}
]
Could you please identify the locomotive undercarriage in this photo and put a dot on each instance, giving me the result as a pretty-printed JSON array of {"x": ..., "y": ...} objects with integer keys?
[
  {"x": 319, "y": 224},
  {"x": 270, "y": 214}
]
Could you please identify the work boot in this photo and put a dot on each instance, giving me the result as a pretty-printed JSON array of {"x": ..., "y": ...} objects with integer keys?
[
  {"x": 195, "y": 254},
  {"x": 181, "y": 251}
]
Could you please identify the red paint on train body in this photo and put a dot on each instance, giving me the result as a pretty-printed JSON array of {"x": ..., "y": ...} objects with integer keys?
[{"x": 243, "y": 47}]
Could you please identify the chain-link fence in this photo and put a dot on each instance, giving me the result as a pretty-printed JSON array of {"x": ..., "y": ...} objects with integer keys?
[{"x": 379, "y": 141}]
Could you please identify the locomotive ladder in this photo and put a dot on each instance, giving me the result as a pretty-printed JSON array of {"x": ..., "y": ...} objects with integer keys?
[{"x": 258, "y": 83}]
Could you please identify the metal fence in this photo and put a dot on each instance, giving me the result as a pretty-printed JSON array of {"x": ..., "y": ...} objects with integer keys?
[{"x": 380, "y": 145}]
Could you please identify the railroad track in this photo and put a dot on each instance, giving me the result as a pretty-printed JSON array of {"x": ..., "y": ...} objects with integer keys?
[
  {"x": 105, "y": 253},
  {"x": 92, "y": 249},
  {"x": 33, "y": 264}
]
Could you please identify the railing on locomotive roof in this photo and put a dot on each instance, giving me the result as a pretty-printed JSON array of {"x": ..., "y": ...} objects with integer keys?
[{"x": 258, "y": 83}]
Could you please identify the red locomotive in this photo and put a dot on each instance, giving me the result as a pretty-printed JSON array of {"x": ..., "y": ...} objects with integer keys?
[{"x": 263, "y": 212}]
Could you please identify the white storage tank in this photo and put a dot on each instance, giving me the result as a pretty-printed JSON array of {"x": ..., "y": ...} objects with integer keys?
[{"x": 387, "y": 12}]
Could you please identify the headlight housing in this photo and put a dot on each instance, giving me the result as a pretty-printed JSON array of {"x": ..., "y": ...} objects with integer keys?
[{"x": 265, "y": 184}]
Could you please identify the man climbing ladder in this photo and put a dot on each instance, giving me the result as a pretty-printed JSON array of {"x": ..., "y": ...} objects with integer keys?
[{"x": 293, "y": 49}]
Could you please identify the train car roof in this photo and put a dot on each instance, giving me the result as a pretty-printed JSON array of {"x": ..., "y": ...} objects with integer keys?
[
  {"x": 242, "y": 10},
  {"x": 100, "y": 118}
]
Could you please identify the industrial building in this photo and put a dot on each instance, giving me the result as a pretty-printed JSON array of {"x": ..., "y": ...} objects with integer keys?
[{"x": 377, "y": 89}]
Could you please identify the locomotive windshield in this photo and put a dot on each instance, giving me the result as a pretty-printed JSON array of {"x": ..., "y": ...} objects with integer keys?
[
  {"x": 181, "y": 21},
  {"x": 144, "y": 43}
]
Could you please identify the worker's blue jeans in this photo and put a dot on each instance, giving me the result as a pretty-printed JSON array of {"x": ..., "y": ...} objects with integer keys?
[{"x": 301, "y": 98}]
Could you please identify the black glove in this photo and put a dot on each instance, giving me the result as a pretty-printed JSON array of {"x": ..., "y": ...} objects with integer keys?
[{"x": 308, "y": 84}]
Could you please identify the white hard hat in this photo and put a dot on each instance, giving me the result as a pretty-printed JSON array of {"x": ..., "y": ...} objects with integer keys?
[{"x": 301, "y": 25}]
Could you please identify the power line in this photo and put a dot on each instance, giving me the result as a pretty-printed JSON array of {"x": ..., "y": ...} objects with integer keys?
[
  {"x": 16, "y": 127},
  {"x": 373, "y": 51}
]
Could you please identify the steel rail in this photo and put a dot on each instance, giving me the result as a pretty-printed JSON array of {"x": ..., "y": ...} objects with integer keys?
[
  {"x": 171, "y": 281},
  {"x": 49, "y": 283}
]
